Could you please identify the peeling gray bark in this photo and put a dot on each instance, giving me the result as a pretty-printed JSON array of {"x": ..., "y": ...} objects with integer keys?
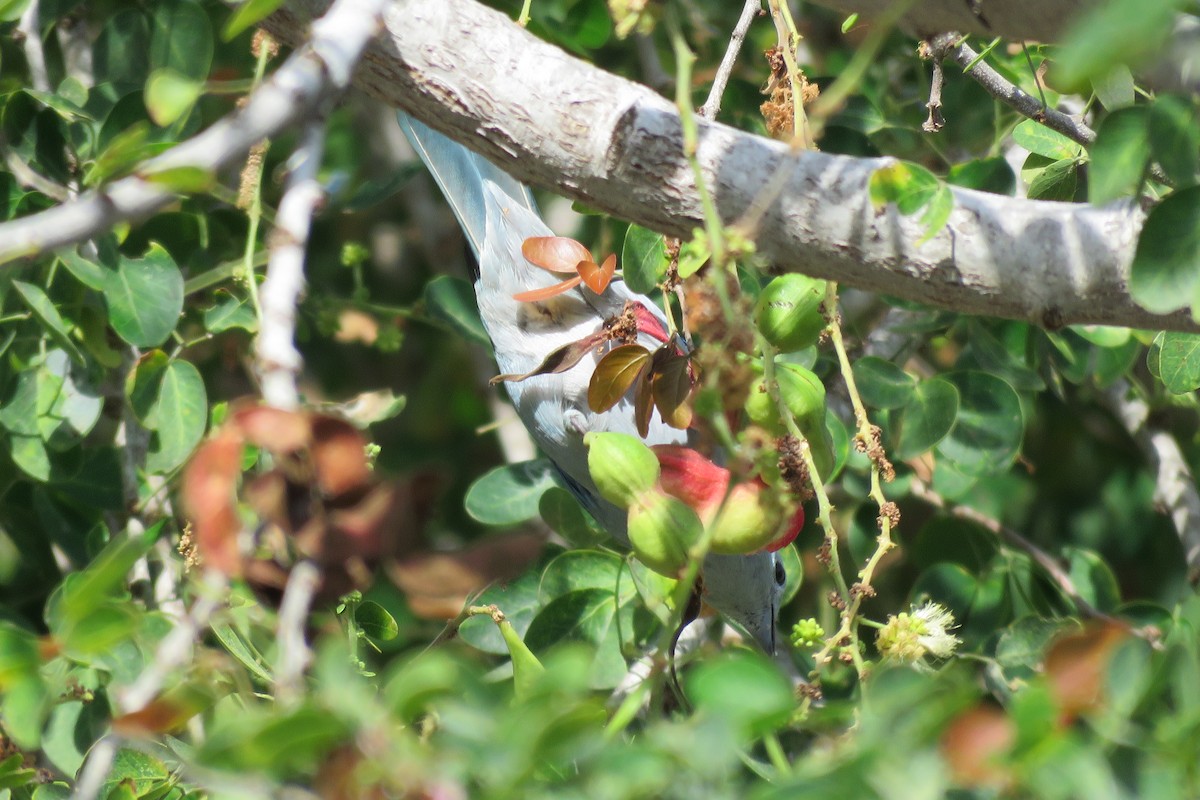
[{"x": 558, "y": 122}]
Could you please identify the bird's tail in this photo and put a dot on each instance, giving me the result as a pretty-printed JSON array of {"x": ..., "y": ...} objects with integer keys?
[{"x": 460, "y": 174}]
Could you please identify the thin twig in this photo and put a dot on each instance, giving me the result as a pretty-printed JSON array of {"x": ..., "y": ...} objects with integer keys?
[
  {"x": 1174, "y": 484},
  {"x": 278, "y": 360},
  {"x": 712, "y": 105},
  {"x": 935, "y": 121},
  {"x": 174, "y": 650},
  {"x": 30, "y": 30},
  {"x": 1043, "y": 559},
  {"x": 1000, "y": 88},
  {"x": 294, "y": 653},
  {"x": 292, "y": 93}
]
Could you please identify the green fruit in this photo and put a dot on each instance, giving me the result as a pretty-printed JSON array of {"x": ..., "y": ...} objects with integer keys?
[
  {"x": 802, "y": 392},
  {"x": 788, "y": 312},
  {"x": 751, "y": 519},
  {"x": 661, "y": 530},
  {"x": 622, "y": 466}
]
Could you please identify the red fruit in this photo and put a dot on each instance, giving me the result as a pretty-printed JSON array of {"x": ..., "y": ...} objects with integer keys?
[{"x": 752, "y": 516}]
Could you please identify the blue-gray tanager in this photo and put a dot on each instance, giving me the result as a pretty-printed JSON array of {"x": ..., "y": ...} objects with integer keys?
[{"x": 498, "y": 214}]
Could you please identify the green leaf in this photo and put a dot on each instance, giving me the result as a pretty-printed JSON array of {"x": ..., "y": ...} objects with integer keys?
[
  {"x": 452, "y": 300},
  {"x": 54, "y": 403},
  {"x": 145, "y": 297},
  {"x": 745, "y": 690},
  {"x": 247, "y": 15},
  {"x": 1166, "y": 265},
  {"x": 510, "y": 494},
  {"x": 143, "y": 384},
  {"x": 1179, "y": 362},
  {"x": 228, "y": 312},
  {"x": 24, "y": 708},
  {"x": 882, "y": 384},
  {"x": 170, "y": 96},
  {"x": 181, "y": 413},
  {"x": 907, "y": 185},
  {"x": 562, "y": 512},
  {"x": 18, "y": 655},
  {"x": 519, "y": 602},
  {"x": 183, "y": 180},
  {"x": 1093, "y": 578},
  {"x": 987, "y": 434},
  {"x": 1115, "y": 89},
  {"x": 1175, "y": 138},
  {"x": 181, "y": 40},
  {"x": 1116, "y": 32},
  {"x": 97, "y": 631},
  {"x": 1054, "y": 181},
  {"x": 584, "y": 615},
  {"x": 122, "y": 51},
  {"x": 1119, "y": 155},
  {"x": 43, "y": 308},
  {"x": 89, "y": 273},
  {"x": 104, "y": 578},
  {"x": 937, "y": 213},
  {"x": 139, "y": 771},
  {"x": 643, "y": 259},
  {"x": 927, "y": 417},
  {"x": 985, "y": 174},
  {"x": 11, "y": 10},
  {"x": 375, "y": 621},
  {"x": 1052, "y": 145},
  {"x": 1103, "y": 335},
  {"x": 1022, "y": 645},
  {"x": 576, "y": 570}
]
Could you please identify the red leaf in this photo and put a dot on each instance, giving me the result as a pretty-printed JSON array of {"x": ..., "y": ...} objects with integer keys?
[
  {"x": 209, "y": 482},
  {"x": 559, "y": 360},
  {"x": 339, "y": 455},
  {"x": 643, "y": 403},
  {"x": 554, "y": 253},
  {"x": 595, "y": 276},
  {"x": 615, "y": 373},
  {"x": 273, "y": 428},
  {"x": 534, "y": 295}
]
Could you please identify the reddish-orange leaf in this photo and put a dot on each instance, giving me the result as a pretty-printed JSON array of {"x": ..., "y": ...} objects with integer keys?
[
  {"x": 596, "y": 276},
  {"x": 339, "y": 455},
  {"x": 534, "y": 295},
  {"x": 554, "y": 253},
  {"x": 208, "y": 487},
  {"x": 615, "y": 373},
  {"x": 273, "y": 428}
]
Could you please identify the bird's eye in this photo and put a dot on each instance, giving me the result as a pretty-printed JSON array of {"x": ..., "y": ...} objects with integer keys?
[{"x": 780, "y": 574}]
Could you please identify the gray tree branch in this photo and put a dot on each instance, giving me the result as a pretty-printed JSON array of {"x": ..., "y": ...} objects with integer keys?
[{"x": 558, "y": 122}]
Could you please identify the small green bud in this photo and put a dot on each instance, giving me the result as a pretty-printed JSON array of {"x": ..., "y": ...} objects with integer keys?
[
  {"x": 788, "y": 312},
  {"x": 661, "y": 530},
  {"x": 622, "y": 466},
  {"x": 807, "y": 633}
]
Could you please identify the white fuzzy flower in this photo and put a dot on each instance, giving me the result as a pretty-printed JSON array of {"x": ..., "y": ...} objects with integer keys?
[{"x": 924, "y": 632}]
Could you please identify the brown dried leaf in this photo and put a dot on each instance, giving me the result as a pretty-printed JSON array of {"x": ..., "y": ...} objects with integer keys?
[
  {"x": 597, "y": 276},
  {"x": 533, "y": 295},
  {"x": 974, "y": 744},
  {"x": 559, "y": 360},
  {"x": 339, "y": 455},
  {"x": 671, "y": 379},
  {"x": 1077, "y": 664},
  {"x": 166, "y": 713},
  {"x": 615, "y": 373},
  {"x": 554, "y": 253},
  {"x": 272, "y": 428},
  {"x": 208, "y": 487},
  {"x": 643, "y": 403}
]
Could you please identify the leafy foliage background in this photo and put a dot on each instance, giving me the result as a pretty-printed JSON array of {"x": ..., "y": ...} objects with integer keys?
[{"x": 121, "y": 355}]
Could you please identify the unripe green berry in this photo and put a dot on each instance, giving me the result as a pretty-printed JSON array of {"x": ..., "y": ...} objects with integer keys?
[
  {"x": 622, "y": 467},
  {"x": 807, "y": 633},
  {"x": 788, "y": 312},
  {"x": 751, "y": 518},
  {"x": 661, "y": 530},
  {"x": 801, "y": 391}
]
